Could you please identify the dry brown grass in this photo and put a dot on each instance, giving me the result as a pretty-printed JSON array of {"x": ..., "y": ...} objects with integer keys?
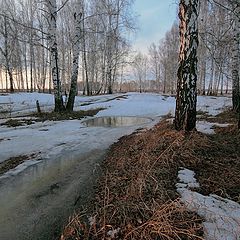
[
  {"x": 168, "y": 221},
  {"x": 137, "y": 192},
  {"x": 220, "y": 164}
]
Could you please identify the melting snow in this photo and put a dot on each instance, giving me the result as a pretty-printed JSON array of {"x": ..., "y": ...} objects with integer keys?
[
  {"x": 187, "y": 179},
  {"x": 92, "y": 221},
  {"x": 222, "y": 216},
  {"x": 112, "y": 233},
  {"x": 208, "y": 127},
  {"x": 51, "y": 138}
]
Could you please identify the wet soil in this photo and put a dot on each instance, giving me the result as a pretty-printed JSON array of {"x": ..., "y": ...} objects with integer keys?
[{"x": 13, "y": 162}]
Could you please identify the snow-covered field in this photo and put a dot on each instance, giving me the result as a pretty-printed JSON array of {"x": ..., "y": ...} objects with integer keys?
[
  {"x": 51, "y": 140},
  {"x": 46, "y": 139},
  {"x": 19, "y": 104}
]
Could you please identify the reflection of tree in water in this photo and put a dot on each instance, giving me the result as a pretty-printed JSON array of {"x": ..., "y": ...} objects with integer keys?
[
  {"x": 106, "y": 121},
  {"x": 116, "y": 121}
]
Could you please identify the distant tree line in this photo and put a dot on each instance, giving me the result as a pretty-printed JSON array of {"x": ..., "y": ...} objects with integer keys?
[
  {"x": 102, "y": 43},
  {"x": 59, "y": 45},
  {"x": 217, "y": 31}
]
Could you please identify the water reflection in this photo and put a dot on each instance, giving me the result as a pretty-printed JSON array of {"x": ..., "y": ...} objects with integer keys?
[
  {"x": 46, "y": 191},
  {"x": 34, "y": 177},
  {"x": 116, "y": 121}
]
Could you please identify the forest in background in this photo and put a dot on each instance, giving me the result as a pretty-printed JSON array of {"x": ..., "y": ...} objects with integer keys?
[{"x": 107, "y": 62}]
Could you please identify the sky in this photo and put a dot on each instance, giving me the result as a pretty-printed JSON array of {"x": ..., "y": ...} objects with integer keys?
[{"x": 155, "y": 18}]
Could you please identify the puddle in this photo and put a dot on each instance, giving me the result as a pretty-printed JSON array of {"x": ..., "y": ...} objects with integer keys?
[
  {"x": 39, "y": 200},
  {"x": 116, "y": 121}
]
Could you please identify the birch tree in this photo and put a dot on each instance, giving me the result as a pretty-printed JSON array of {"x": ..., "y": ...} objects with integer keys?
[
  {"x": 185, "y": 114},
  {"x": 39, "y": 50},
  {"x": 140, "y": 70},
  {"x": 76, "y": 54},
  {"x": 164, "y": 61},
  {"x": 52, "y": 11},
  {"x": 235, "y": 58},
  {"x": 6, "y": 48},
  {"x": 155, "y": 64}
]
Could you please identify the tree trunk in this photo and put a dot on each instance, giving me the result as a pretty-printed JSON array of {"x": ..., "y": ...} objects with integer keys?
[
  {"x": 7, "y": 57},
  {"x": 165, "y": 79},
  {"x": 85, "y": 58},
  {"x": 31, "y": 68},
  {"x": 185, "y": 115},
  {"x": 9, "y": 70},
  {"x": 76, "y": 54},
  {"x": 210, "y": 86},
  {"x": 222, "y": 83},
  {"x": 235, "y": 60},
  {"x": 25, "y": 66},
  {"x": 1, "y": 79},
  {"x": 52, "y": 8},
  {"x": 44, "y": 68},
  {"x": 203, "y": 76}
]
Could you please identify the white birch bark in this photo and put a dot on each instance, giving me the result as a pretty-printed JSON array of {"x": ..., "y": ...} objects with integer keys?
[
  {"x": 52, "y": 10},
  {"x": 76, "y": 54},
  {"x": 185, "y": 115}
]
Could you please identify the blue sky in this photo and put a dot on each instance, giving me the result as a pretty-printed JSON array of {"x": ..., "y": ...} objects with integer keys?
[{"x": 155, "y": 18}]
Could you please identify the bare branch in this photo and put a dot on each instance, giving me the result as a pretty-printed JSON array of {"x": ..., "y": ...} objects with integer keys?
[{"x": 21, "y": 24}]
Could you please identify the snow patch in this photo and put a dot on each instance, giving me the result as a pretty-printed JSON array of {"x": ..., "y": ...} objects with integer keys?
[
  {"x": 92, "y": 221},
  {"x": 213, "y": 105},
  {"x": 187, "y": 179},
  {"x": 222, "y": 216},
  {"x": 208, "y": 127},
  {"x": 112, "y": 233}
]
